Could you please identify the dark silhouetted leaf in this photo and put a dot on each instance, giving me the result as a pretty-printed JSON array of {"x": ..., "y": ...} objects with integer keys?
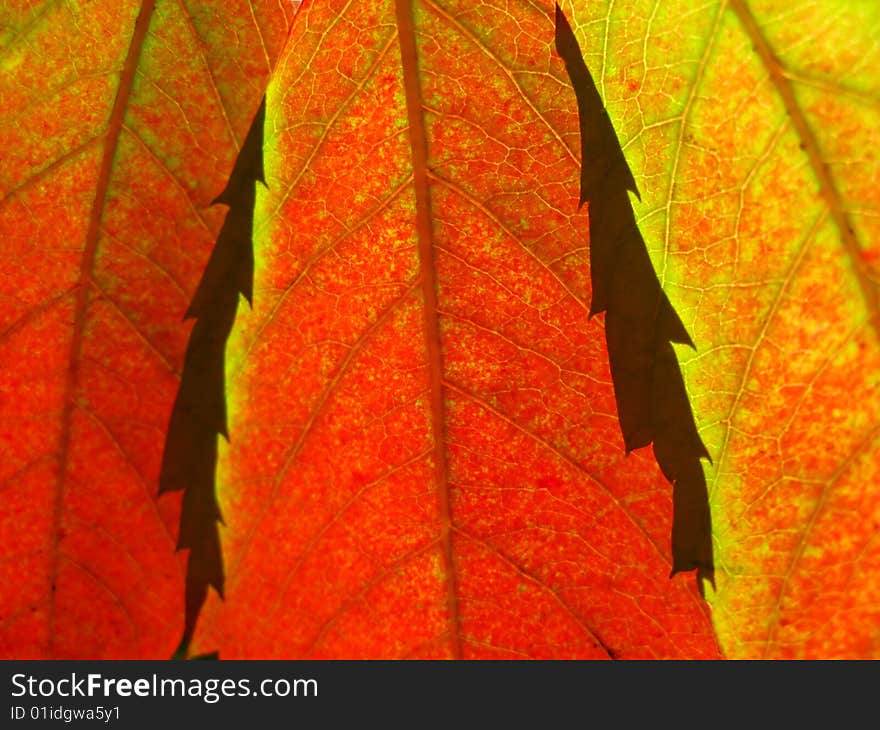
[
  {"x": 199, "y": 416},
  {"x": 640, "y": 323}
]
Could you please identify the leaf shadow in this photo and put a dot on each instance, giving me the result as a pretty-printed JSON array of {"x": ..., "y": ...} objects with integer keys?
[
  {"x": 640, "y": 322},
  {"x": 189, "y": 459}
]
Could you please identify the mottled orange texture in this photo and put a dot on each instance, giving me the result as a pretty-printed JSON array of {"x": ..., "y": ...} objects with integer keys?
[
  {"x": 754, "y": 141},
  {"x": 402, "y": 482},
  {"x": 119, "y": 123}
]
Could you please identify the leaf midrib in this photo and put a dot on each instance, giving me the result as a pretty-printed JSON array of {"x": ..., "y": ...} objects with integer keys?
[
  {"x": 81, "y": 303},
  {"x": 428, "y": 279},
  {"x": 827, "y": 186},
  {"x": 781, "y": 79}
]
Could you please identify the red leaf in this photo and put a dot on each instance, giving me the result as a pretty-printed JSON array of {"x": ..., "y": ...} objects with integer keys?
[
  {"x": 119, "y": 123},
  {"x": 425, "y": 458}
]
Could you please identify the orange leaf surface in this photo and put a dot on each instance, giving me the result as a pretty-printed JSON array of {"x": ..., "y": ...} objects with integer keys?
[
  {"x": 462, "y": 416},
  {"x": 425, "y": 458},
  {"x": 753, "y": 134},
  {"x": 119, "y": 123}
]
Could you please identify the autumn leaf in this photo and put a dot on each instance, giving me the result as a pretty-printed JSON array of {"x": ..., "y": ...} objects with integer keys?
[
  {"x": 424, "y": 454},
  {"x": 752, "y": 131},
  {"x": 466, "y": 417},
  {"x": 119, "y": 123}
]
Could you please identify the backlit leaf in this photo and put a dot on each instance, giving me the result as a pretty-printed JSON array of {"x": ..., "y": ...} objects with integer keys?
[
  {"x": 119, "y": 123},
  {"x": 469, "y": 410},
  {"x": 752, "y": 129},
  {"x": 425, "y": 458}
]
